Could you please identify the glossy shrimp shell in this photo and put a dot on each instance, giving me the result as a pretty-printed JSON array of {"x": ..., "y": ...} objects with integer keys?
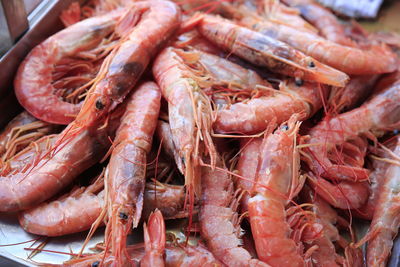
[
  {"x": 267, "y": 52},
  {"x": 33, "y": 82},
  {"x": 277, "y": 180},
  {"x": 127, "y": 168},
  {"x": 146, "y": 27}
]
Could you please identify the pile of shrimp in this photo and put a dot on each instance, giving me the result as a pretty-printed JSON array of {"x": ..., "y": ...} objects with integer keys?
[{"x": 268, "y": 127}]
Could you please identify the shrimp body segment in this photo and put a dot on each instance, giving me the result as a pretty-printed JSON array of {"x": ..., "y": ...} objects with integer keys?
[
  {"x": 267, "y": 52},
  {"x": 33, "y": 82},
  {"x": 276, "y": 182},
  {"x": 127, "y": 168}
]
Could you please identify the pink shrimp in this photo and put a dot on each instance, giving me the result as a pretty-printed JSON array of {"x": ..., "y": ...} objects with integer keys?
[
  {"x": 386, "y": 220},
  {"x": 351, "y": 60},
  {"x": 71, "y": 213},
  {"x": 33, "y": 83},
  {"x": 190, "y": 113},
  {"x": 323, "y": 19},
  {"x": 267, "y": 52},
  {"x": 127, "y": 168},
  {"x": 154, "y": 240},
  {"x": 277, "y": 182},
  {"x": 124, "y": 66},
  {"x": 219, "y": 225},
  {"x": 47, "y": 174},
  {"x": 380, "y": 112},
  {"x": 255, "y": 114}
]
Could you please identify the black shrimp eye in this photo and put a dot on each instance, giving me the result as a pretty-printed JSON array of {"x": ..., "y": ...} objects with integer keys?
[
  {"x": 298, "y": 81},
  {"x": 95, "y": 264},
  {"x": 99, "y": 104},
  {"x": 284, "y": 127},
  {"x": 311, "y": 64},
  {"x": 123, "y": 216}
]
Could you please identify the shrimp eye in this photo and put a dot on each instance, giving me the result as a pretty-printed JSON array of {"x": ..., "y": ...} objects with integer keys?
[
  {"x": 311, "y": 64},
  {"x": 99, "y": 104},
  {"x": 284, "y": 127},
  {"x": 298, "y": 81},
  {"x": 95, "y": 264},
  {"x": 123, "y": 216}
]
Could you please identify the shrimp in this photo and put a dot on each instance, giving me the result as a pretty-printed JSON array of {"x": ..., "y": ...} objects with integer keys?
[
  {"x": 124, "y": 66},
  {"x": 20, "y": 132},
  {"x": 33, "y": 83},
  {"x": 267, "y": 52},
  {"x": 68, "y": 214},
  {"x": 323, "y": 19},
  {"x": 71, "y": 213},
  {"x": 277, "y": 182},
  {"x": 380, "y": 112},
  {"x": 54, "y": 169},
  {"x": 165, "y": 136},
  {"x": 127, "y": 168},
  {"x": 355, "y": 92},
  {"x": 254, "y": 115},
  {"x": 386, "y": 220},
  {"x": 154, "y": 240},
  {"x": 190, "y": 114},
  {"x": 351, "y": 60},
  {"x": 219, "y": 225}
]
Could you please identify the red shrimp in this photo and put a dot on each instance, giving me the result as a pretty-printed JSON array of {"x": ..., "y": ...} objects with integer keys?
[
  {"x": 126, "y": 176},
  {"x": 124, "y": 66},
  {"x": 247, "y": 168},
  {"x": 351, "y": 60},
  {"x": 219, "y": 224},
  {"x": 20, "y": 132},
  {"x": 267, "y": 52},
  {"x": 380, "y": 112},
  {"x": 166, "y": 138},
  {"x": 190, "y": 114},
  {"x": 277, "y": 182},
  {"x": 68, "y": 214},
  {"x": 33, "y": 83},
  {"x": 254, "y": 115},
  {"x": 323, "y": 19},
  {"x": 71, "y": 213},
  {"x": 53, "y": 170},
  {"x": 154, "y": 240},
  {"x": 386, "y": 219}
]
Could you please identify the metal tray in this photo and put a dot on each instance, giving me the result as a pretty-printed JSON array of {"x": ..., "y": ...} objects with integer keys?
[{"x": 43, "y": 22}]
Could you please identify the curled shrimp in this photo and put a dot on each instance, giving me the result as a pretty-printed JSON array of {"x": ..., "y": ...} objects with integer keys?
[
  {"x": 277, "y": 182},
  {"x": 219, "y": 224},
  {"x": 351, "y": 60},
  {"x": 33, "y": 83},
  {"x": 385, "y": 222},
  {"x": 267, "y": 52},
  {"x": 127, "y": 168},
  {"x": 254, "y": 115},
  {"x": 141, "y": 27},
  {"x": 380, "y": 112},
  {"x": 190, "y": 113}
]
